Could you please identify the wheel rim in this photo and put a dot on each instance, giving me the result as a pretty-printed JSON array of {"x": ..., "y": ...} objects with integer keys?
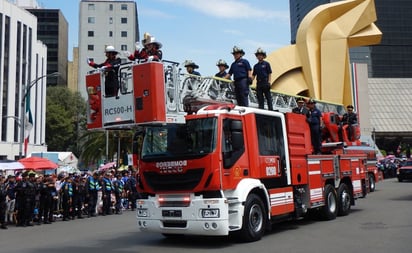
[
  {"x": 372, "y": 182},
  {"x": 332, "y": 202},
  {"x": 345, "y": 200},
  {"x": 256, "y": 218}
]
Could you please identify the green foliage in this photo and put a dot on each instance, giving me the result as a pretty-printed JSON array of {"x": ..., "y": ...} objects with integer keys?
[{"x": 65, "y": 119}]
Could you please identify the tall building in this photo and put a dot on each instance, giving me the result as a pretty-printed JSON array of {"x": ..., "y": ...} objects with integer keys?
[
  {"x": 52, "y": 30},
  {"x": 391, "y": 58},
  {"x": 102, "y": 23},
  {"x": 23, "y": 67}
]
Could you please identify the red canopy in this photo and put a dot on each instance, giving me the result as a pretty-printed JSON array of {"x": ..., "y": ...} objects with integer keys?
[{"x": 37, "y": 163}]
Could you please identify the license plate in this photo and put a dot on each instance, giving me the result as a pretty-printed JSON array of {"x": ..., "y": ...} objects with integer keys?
[{"x": 172, "y": 213}]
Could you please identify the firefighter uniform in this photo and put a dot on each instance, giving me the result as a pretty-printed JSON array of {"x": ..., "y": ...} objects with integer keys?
[{"x": 241, "y": 71}]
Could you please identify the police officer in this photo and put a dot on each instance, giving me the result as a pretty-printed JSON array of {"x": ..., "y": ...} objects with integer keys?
[
  {"x": 25, "y": 200},
  {"x": 67, "y": 197},
  {"x": 107, "y": 189},
  {"x": 301, "y": 108},
  {"x": 3, "y": 203},
  {"x": 262, "y": 71},
  {"x": 92, "y": 188},
  {"x": 11, "y": 198},
  {"x": 242, "y": 74},
  {"x": 118, "y": 187},
  {"x": 78, "y": 197},
  {"x": 132, "y": 194}
]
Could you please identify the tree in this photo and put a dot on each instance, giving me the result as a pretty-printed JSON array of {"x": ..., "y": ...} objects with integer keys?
[{"x": 65, "y": 119}]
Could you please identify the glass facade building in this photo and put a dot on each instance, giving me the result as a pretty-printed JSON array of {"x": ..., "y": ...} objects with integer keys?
[{"x": 392, "y": 58}]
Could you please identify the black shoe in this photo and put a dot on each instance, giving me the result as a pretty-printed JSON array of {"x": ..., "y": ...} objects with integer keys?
[
  {"x": 47, "y": 222},
  {"x": 3, "y": 226},
  {"x": 29, "y": 224},
  {"x": 80, "y": 217}
]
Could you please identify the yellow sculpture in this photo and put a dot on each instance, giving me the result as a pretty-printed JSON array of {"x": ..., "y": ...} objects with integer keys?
[{"x": 318, "y": 64}]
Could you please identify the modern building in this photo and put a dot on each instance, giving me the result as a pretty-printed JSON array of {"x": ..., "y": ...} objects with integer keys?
[
  {"x": 23, "y": 68},
  {"x": 52, "y": 30},
  {"x": 103, "y": 23}
]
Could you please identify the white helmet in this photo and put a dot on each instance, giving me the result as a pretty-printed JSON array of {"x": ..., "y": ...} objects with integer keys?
[
  {"x": 221, "y": 62},
  {"x": 110, "y": 49}
]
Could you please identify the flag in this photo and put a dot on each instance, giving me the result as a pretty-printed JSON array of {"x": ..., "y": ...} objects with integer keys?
[{"x": 28, "y": 124}]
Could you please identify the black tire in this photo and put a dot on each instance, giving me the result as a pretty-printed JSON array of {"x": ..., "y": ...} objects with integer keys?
[
  {"x": 344, "y": 200},
  {"x": 330, "y": 210},
  {"x": 372, "y": 183},
  {"x": 254, "y": 220}
]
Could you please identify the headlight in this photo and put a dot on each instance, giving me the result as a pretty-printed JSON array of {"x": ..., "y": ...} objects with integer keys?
[
  {"x": 142, "y": 212},
  {"x": 210, "y": 213}
]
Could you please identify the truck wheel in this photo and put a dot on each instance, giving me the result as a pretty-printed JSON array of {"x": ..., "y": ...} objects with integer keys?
[
  {"x": 254, "y": 219},
  {"x": 344, "y": 200},
  {"x": 372, "y": 183},
  {"x": 329, "y": 210}
]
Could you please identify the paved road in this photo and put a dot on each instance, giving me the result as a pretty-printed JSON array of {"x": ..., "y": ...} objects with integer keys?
[{"x": 380, "y": 223}]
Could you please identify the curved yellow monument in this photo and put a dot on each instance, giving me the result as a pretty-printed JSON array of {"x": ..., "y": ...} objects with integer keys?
[{"x": 318, "y": 64}]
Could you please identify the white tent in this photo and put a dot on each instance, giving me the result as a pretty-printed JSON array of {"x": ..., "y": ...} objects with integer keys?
[{"x": 67, "y": 159}]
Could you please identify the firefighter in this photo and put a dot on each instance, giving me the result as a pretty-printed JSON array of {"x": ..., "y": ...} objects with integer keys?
[
  {"x": 301, "y": 108},
  {"x": 262, "y": 71},
  {"x": 132, "y": 193},
  {"x": 222, "y": 65},
  {"x": 242, "y": 75},
  {"x": 111, "y": 69},
  {"x": 150, "y": 51},
  {"x": 190, "y": 68},
  {"x": 92, "y": 188},
  {"x": 314, "y": 119}
]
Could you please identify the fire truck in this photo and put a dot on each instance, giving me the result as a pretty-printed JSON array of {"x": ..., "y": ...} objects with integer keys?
[{"x": 210, "y": 167}]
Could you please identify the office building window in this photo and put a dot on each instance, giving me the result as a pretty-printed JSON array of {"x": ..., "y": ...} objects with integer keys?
[
  {"x": 124, "y": 33},
  {"x": 110, "y": 33},
  {"x": 110, "y": 7},
  {"x": 90, "y": 47},
  {"x": 110, "y": 20},
  {"x": 124, "y": 7},
  {"x": 90, "y": 33},
  {"x": 123, "y": 47},
  {"x": 91, "y": 7},
  {"x": 123, "y": 20},
  {"x": 91, "y": 20}
]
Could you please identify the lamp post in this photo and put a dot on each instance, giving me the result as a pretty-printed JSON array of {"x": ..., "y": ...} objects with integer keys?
[{"x": 25, "y": 91}]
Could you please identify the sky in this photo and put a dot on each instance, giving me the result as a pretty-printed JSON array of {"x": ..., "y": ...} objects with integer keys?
[{"x": 203, "y": 31}]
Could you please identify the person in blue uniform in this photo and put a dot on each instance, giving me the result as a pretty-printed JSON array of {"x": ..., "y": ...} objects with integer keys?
[
  {"x": 242, "y": 75},
  {"x": 222, "y": 65},
  {"x": 314, "y": 119},
  {"x": 190, "y": 68},
  {"x": 262, "y": 72}
]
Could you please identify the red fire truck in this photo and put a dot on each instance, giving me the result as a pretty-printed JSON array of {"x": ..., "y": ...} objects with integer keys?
[{"x": 209, "y": 167}]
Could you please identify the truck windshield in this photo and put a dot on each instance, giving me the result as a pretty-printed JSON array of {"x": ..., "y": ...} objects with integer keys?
[{"x": 195, "y": 138}]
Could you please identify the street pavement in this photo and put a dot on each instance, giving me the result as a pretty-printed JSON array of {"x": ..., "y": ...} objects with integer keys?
[{"x": 379, "y": 223}]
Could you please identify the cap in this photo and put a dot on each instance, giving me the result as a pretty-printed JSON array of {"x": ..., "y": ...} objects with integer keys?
[
  {"x": 311, "y": 101},
  {"x": 300, "y": 100}
]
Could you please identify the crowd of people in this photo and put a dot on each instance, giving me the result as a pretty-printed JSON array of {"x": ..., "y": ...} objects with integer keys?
[{"x": 31, "y": 198}]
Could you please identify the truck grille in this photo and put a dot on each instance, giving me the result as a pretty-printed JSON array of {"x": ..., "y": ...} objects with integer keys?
[{"x": 184, "y": 181}]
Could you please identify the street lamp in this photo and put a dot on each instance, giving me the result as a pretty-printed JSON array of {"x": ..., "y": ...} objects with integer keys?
[{"x": 25, "y": 91}]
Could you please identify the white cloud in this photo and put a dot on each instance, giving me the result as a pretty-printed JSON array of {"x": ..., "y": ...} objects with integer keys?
[{"x": 232, "y": 9}]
